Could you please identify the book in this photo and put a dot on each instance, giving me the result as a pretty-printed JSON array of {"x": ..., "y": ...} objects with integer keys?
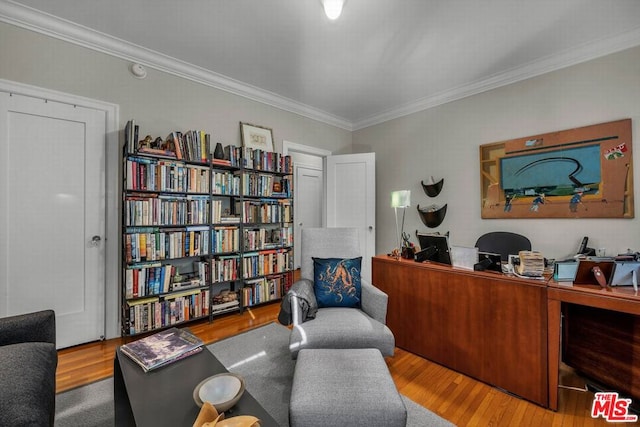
[{"x": 162, "y": 348}]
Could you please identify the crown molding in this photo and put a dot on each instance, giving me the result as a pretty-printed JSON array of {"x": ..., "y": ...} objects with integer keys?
[
  {"x": 38, "y": 21},
  {"x": 584, "y": 53},
  {"x": 35, "y": 20}
]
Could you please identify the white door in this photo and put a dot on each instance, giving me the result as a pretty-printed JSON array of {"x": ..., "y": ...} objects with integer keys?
[
  {"x": 52, "y": 214},
  {"x": 307, "y": 199},
  {"x": 351, "y": 192}
]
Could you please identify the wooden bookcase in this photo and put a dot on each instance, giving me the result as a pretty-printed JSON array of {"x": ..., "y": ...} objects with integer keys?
[{"x": 201, "y": 236}]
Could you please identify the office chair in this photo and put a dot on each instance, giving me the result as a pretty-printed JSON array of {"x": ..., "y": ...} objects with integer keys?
[{"x": 503, "y": 243}]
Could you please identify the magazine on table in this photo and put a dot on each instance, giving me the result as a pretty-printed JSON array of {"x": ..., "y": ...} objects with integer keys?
[{"x": 162, "y": 348}]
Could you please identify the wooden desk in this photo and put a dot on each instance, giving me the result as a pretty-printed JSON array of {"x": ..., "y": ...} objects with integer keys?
[
  {"x": 605, "y": 345},
  {"x": 486, "y": 325}
]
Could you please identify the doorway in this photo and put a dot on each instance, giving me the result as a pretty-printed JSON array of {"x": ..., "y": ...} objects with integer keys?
[
  {"x": 334, "y": 191},
  {"x": 308, "y": 188},
  {"x": 53, "y": 209}
]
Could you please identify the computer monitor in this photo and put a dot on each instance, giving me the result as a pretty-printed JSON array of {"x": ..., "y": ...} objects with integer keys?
[{"x": 436, "y": 247}]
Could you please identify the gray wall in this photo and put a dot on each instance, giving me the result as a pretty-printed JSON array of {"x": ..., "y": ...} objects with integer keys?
[
  {"x": 444, "y": 142},
  {"x": 441, "y": 142},
  {"x": 160, "y": 104}
]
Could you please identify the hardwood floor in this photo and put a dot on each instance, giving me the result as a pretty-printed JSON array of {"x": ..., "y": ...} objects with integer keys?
[{"x": 456, "y": 397}]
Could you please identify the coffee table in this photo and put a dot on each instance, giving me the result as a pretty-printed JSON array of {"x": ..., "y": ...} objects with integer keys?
[{"x": 164, "y": 397}]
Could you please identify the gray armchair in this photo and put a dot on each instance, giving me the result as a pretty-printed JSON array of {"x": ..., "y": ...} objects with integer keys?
[
  {"x": 334, "y": 327},
  {"x": 28, "y": 361}
]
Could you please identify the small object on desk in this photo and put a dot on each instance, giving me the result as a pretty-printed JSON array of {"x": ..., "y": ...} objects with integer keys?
[
  {"x": 531, "y": 264},
  {"x": 495, "y": 261},
  {"x": 625, "y": 273},
  {"x": 565, "y": 271},
  {"x": 584, "y": 274},
  {"x": 599, "y": 275},
  {"x": 408, "y": 249}
]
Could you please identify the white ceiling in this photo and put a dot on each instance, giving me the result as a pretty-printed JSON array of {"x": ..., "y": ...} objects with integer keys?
[{"x": 381, "y": 59}]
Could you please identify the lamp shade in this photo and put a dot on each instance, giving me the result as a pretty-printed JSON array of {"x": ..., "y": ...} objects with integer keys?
[
  {"x": 332, "y": 8},
  {"x": 401, "y": 199}
]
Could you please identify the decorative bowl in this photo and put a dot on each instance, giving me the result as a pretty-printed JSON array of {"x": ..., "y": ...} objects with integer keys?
[
  {"x": 432, "y": 216},
  {"x": 432, "y": 189},
  {"x": 221, "y": 390}
]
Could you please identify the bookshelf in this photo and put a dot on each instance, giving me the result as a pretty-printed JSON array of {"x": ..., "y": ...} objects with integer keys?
[
  {"x": 266, "y": 215},
  {"x": 201, "y": 236}
]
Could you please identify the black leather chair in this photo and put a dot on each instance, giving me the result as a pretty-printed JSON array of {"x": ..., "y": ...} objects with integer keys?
[{"x": 503, "y": 243}]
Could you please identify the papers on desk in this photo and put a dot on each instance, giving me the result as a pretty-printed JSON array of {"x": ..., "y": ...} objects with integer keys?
[{"x": 531, "y": 265}]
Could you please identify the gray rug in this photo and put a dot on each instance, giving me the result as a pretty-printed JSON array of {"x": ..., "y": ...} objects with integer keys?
[{"x": 261, "y": 356}]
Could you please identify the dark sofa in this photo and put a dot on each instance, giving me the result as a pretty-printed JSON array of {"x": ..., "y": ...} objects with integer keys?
[{"x": 28, "y": 361}]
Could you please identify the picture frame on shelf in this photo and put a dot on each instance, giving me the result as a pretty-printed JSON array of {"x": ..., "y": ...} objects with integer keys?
[{"x": 256, "y": 137}]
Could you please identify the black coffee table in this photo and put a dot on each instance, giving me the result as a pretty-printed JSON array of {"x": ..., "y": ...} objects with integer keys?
[{"x": 164, "y": 397}]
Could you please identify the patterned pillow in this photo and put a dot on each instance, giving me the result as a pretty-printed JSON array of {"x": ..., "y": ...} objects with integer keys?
[{"x": 336, "y": 281}]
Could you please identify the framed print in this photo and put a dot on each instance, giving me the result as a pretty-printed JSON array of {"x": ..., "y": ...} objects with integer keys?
[
  {"x": 584, "y": 172},
  {"x": 256, "y": 137}
]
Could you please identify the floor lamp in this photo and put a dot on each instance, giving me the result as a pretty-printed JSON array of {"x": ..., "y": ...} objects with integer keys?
[{"x": 400, "y": 200}]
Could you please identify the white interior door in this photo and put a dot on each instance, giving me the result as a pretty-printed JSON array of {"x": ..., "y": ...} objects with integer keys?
[
  {"x": 351, "y": 192},
  {"x": 308, "y": 194},
  {"x": 52, "y": 214}
]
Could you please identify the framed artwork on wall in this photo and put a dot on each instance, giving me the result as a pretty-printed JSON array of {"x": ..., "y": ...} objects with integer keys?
[
  {"x": 584, "y": 172},
  {"x": 256, "y": 137}
]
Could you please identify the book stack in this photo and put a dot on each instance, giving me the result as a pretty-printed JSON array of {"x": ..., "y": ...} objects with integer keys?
[
  {"x": 531, "y": 264},
  {"x": 162, "y": 348}
]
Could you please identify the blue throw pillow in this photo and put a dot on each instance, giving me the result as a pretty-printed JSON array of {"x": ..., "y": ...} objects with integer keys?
[{"x": 336, "y": 281}]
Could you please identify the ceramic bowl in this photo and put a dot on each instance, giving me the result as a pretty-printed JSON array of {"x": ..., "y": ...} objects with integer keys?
[{"x": 221, "y": 390}]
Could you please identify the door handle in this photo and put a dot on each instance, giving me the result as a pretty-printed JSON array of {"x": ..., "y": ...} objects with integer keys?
[{"x": 95, "y": 241}]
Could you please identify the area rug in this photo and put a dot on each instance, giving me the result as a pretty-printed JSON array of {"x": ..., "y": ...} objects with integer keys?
[{"x": 260, "y": 355}]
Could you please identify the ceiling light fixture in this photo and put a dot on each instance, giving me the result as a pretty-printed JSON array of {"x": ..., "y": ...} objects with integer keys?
[{"x": 333, "y": 8}]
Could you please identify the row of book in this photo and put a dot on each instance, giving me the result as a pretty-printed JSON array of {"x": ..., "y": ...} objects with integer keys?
[
  {"x": 225, "y": 268},
  {"x": 155, "y": 279},
  {"x": 193, "y": 145},
  {"x": 262, "y": 290},
  {"x": 267, "y": 262},
  {"x": 265, "y": 211},
  {"x": 165, "y": 175},
  {"x": 264, "y": 185},
  {"x": 143, "y": 244},
  {"x": 266, "y": 161},
  {"x": 264, "y": 238},
  {"x": 149, "y": 174},
  {"x": 225, "y": 307},
  {"x": 142, "y": 210},
  {"x": 153, "y": 244},
  {"x": 225, "y": 183},
  {"x": 154, "y": 313},
  {"x": 226, "y": 239}
]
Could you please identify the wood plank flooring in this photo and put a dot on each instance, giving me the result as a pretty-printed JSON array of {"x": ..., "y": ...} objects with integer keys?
[{"x": 456, "y": 397}]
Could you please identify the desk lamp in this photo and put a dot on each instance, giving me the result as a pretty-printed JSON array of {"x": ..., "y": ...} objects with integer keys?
[{"x": 400, "y": 200}]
